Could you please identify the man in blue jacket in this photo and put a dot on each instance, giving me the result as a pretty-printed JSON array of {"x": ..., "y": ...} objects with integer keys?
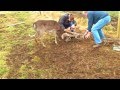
[{"x": 96, "y": 21}]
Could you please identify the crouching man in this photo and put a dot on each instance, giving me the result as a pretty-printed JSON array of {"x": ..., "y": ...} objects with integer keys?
[
  {"x": 96, "y": 21},
  {"x": 68, "y": 24}
]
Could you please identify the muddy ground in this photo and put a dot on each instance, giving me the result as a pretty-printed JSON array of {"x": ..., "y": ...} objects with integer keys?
[{"x": 72, "y": 60}]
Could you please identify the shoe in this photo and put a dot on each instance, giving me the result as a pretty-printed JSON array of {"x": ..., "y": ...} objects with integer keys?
[{"x": 96, "y": 45}]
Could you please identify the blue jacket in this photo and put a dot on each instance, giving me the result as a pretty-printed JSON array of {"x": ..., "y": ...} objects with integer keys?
[
  {"x": 64, "y": 22},
  {"x": 94, "y": 17}
]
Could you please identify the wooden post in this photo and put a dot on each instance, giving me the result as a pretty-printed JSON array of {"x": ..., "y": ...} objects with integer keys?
[{"x": 118, "y": 27}]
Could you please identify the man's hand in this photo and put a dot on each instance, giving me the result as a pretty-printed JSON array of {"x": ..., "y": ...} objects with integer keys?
[
  {"x": 73, "y": 26},
  {"x": 88, "y": 35}
]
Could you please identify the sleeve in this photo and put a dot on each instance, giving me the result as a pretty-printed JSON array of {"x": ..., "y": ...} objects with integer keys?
[
  {"x": 90, "y": 21},
  {"x": 75, "y": 23},
  {"x": 61, "y": 22}
]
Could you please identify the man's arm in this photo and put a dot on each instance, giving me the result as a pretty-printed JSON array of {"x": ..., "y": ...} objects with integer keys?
[{"x": 90, "y": 21}]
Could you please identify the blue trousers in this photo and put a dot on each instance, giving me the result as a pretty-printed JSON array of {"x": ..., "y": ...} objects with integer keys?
[{"x": 96, "y": 30}]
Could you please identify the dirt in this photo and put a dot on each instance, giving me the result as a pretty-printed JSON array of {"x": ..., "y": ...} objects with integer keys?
[{"x": 71, "y": 60}]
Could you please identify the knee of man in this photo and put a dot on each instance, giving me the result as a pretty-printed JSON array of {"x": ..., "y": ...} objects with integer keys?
[{"x": 94, "y": 28}]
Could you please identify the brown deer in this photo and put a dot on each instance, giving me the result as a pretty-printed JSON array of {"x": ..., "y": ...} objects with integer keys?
[{"x": 43, "y": 26}]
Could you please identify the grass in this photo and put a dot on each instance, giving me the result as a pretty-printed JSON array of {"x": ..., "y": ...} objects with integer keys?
[
  {"x": 4, "y": 69},
  {"x": 113, "y": 14},
  {"x": 21, "y": 58}
]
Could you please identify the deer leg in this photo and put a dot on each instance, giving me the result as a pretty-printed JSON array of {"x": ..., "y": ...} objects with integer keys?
[
  {"x": 36, "y": 38},
  {"x": 55, "y": 37},
  {"x": 41, "y": 36},
  {"x": 77, "y": 35},
  {"x": 41, "y": 39},
  {"x": 64, "y": 35}
]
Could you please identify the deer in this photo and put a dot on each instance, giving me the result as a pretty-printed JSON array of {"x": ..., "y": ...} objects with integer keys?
[{"x": 46, "y": 26}]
